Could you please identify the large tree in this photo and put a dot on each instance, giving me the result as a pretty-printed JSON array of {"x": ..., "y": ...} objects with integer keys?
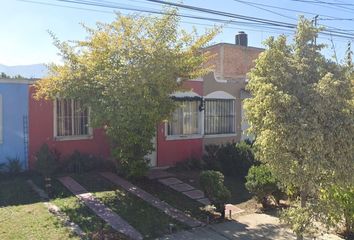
[
  {"x": 301, "y": 115},
  {"x": 125, "y": 71}
]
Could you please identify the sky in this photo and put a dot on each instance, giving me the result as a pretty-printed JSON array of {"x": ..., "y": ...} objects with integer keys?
[{"x": 25, "y": 24}]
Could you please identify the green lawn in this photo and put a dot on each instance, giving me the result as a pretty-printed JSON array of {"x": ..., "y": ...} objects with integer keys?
[
  {"x": 23, "y": 216},
  {"x": 88, "y": 221},
  {"x": 148, "y": 220}
]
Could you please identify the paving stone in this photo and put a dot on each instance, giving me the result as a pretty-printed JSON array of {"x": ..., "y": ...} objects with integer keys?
[
  {"x": 158, "y": 173},
  {"x": 182, "y": 187},
  {"x": 170, "y": 181},
  {"x": 110, "y": 217},
  {"x": 194, "y": 194},
  {"x": 204, "y": 201},
  {"x": 163, "y": 206}
]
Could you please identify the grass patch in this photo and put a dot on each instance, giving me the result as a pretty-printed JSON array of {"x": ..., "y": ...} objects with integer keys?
[
  {"x": 175, "y": 199},
  {"x": 23, "y": 216},
  {"x": 148, "y": 220},
  {"x": 89, "y": 222}
]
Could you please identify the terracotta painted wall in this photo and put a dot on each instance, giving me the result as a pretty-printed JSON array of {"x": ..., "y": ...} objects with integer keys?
[
  {"x": 41, "y": 130},
  {"x": 171, "y": 151}
]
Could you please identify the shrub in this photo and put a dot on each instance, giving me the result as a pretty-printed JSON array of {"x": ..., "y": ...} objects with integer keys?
[
  {"x": 212, "y": 183},
  {"x": 192, "y": 163},
  {"x": 13, "y": 165},
  {"x": 135, "y": 169},
  {"x": 232, "y": 159},
  {"x": 261, "y": 182},
  {"x": 338, "y": 203},
  {"x": 211, "y": 157},
  {"x": 47, "y": 161},
  {"x": 81, "y": 162}
]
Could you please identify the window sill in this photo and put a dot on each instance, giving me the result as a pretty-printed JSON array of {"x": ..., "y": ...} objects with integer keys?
[
  {"x": 222, "y": 135},
  {"x": 183, "y": 137},
  {"x": 73, "y": 138}
]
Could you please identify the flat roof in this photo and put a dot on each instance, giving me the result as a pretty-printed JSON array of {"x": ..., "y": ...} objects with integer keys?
[{"x": 234, "y": 45}]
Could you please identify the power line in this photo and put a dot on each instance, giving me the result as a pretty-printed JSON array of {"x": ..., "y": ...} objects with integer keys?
[
  {"x": 271, "y": 22},
  {"x": 250, "y": 21}
]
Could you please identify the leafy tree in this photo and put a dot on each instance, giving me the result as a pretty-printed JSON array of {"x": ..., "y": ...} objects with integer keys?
[
  {"x": 301, "y": 115},
  {"x": 124, "y": 71}
]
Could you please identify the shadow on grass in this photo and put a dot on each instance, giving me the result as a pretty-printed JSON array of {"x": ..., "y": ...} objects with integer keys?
[
  {"x": 93, "y": 226},
  {"x": 148, "y": 220},
  {"x": 15, "y": 191}
]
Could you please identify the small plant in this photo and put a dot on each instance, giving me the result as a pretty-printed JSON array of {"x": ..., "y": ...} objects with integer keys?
[
  {"x": 13, "y": 165},
  {"x": 212, "y": 183},
  {"x": 262, "y": 183}
]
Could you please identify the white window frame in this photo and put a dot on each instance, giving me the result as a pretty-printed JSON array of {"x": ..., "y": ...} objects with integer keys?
[
  {"x": 70, "y": 137},
  {"x": 221, "y": 95},
  {"x": 1, "y": 121},
  {"x": 188, "y": 136}
]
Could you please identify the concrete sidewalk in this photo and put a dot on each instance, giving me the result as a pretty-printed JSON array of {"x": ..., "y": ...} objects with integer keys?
[{"x": 247, "y": 227}]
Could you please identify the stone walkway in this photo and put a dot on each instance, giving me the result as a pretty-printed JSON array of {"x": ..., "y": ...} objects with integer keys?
[
  {"x": 168, "y": 179},
  {"x": 163, "y": 206},
  {"x": 110, "y": 217}
]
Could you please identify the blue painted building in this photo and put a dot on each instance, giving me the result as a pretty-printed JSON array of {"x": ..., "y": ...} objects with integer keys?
[{"x": 14, "y": 120}]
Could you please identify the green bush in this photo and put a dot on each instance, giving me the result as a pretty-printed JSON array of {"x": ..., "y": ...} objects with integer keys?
[
  {"x": 232, "y": 159},
  {"x": 212, "y": 183},
  {"x": 81, "y": 162},
  {"x": 211, "y": 157},
  {"x": 262, "y": 183},
  {"x": 338, "y": 204},
  {"x": 47, "y": 161},
  {"x": 192, "y": 163},
  {"x": 135, "y": 169}
]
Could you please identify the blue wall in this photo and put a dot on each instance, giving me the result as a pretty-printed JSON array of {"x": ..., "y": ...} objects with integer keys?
[{"x": 14, "y": 109}]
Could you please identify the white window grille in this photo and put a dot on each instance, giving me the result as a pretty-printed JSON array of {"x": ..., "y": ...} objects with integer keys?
[{"x": 185, "y": 119}]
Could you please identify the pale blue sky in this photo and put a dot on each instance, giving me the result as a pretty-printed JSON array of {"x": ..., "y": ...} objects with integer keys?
[{"x": 24, "y": 38}]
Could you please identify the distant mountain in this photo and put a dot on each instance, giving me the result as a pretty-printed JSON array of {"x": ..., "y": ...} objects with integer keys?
[{"x": 28, "y": 71}]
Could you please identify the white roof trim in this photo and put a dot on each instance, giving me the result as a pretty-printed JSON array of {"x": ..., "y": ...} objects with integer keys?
[
  {"x": 180, "y": 94},
  {"x": 17, "y": 81},
  {"x": 219, "y": 95}
]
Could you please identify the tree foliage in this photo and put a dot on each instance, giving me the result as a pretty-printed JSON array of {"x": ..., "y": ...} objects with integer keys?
[
  {"x": 124, "y": 71},
  {"x": 263, "y": 184},
  {"x": 301, "y": 113}
]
